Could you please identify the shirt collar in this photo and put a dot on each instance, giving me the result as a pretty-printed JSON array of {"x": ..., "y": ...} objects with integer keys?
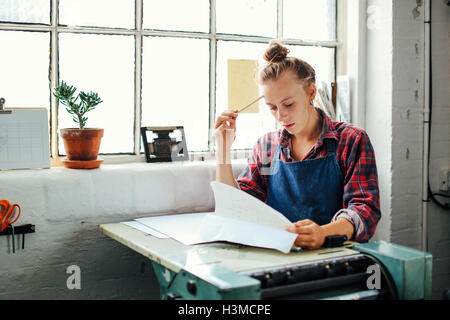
[{"x": 328, "y": 131}]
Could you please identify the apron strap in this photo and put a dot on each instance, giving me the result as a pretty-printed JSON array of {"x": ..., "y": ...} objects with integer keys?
[
  {"x": 275, "y": 161},
  {"x": 276, "y": 156},
  {"x": 331, "y": 149},
  {"x": 331, "y": 146}
]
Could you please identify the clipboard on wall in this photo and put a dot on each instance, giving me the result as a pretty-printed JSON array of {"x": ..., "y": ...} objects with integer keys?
[{"x": 24, "y": 138}]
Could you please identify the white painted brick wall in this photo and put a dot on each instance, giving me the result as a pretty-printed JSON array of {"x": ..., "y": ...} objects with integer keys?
[
  {"x": 68, "y": 205},
  {"x": 402, "y": 130},
  {"x": 407, "y": 131},
  {"x": 438, "y": 219}
]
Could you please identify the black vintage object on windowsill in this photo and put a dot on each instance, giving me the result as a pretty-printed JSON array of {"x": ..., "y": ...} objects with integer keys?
[
  {"x": 164, "y": 144},
  {"x": 12, "y": 230}
]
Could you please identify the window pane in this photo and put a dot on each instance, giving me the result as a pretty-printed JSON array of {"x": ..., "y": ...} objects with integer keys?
[
  {"x": 98, "y": 13},
  {"x": 103, "y": 64},
  {"x": 310, "y": 20},
  {"x": 320, "y": 58},
  {"x": 249, "y": 126},
  {"x": 24, "y": 69},
  {"x": 175, "y": 86},
  {"x": 32, "y": 11},
  {"x": 181, "y": 15},
  {"x": 250, "y": 17}
]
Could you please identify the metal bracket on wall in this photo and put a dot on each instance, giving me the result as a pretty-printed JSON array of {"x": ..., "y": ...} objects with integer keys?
[{"x": 14, "y": 230}]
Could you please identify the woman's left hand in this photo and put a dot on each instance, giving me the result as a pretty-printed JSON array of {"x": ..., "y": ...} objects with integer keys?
[{"x": 310, "y": 234}]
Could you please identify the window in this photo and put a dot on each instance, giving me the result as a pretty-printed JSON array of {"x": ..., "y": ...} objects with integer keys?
[
  {"x": 153, "y": 62},
  {"x": 175, "y": 87},
  {"x": 104, "y": 65}
]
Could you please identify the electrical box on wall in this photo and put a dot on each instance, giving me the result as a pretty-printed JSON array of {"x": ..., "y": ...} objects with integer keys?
[{"x": 444, "y": 179}]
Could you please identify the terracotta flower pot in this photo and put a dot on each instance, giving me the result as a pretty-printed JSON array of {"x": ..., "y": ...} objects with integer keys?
[{"x": 82, "y": 144}]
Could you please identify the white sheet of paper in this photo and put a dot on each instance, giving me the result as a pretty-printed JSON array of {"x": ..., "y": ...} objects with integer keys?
[
  {"x": 239, "y": 218},
  {"x": 218, "y": 228},
  {"x": 237, "y": 204},
  {"x": 181, "y": 227},
  {"x": 142, "y": 227},
  {"x": 24, "y": 139}
]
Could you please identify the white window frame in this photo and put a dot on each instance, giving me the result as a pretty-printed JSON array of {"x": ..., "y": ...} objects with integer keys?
[{"x": 138, "y": 32}]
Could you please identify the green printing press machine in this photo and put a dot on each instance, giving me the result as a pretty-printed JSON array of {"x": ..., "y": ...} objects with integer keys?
[{"x": 374, "y": 270}]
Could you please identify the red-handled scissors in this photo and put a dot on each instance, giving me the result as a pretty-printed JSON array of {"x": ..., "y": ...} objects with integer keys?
[{"x": 8, "y": 214}]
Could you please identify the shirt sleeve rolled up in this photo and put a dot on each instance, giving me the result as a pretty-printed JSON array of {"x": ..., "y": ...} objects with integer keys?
[{"x": 361, "y": 202}]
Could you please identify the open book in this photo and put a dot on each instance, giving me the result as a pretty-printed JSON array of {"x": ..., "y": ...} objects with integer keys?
[{"x": 238, "y": 218}]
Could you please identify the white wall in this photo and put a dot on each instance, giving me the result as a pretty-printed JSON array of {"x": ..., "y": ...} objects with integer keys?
[
  {"x": 378, "y": 113},
  {"x": 439, "y": 219},
  {"x": 67, "y": 205},
  {"x": 407, "y": 122},
  {"x": 394, "y": 121}
]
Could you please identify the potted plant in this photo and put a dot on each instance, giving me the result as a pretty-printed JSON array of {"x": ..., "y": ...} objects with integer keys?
[{"x": 81, "y": 144}]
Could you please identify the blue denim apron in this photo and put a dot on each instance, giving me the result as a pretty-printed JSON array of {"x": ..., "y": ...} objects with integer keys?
[{"x": 308, "y": 189}]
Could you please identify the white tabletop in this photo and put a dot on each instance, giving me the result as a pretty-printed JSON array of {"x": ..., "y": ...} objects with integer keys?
[{"x": 176, "y": 256}]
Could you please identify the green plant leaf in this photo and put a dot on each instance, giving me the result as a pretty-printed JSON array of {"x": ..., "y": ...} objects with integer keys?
[{"x": 65, "y": 94}]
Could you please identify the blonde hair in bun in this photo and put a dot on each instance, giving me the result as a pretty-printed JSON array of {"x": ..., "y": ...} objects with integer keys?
[
  {"x": 276, "y": 52},
  {"x": 278, "y": 62}
]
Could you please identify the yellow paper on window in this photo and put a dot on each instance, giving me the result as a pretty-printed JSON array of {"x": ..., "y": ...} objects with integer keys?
[{"x": 242, "y": 85}]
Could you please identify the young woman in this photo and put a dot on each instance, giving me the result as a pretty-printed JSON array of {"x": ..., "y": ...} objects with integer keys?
[{"x": 321, "y": 174}]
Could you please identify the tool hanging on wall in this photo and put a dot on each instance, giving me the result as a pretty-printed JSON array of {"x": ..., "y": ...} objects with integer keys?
[
  {"x": 15, "y": 230},
  {"x": 9, "y": 213}
]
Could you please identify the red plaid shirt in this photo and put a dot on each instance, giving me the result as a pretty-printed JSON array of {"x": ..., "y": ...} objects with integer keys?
[{"x": 355, "y": 156}]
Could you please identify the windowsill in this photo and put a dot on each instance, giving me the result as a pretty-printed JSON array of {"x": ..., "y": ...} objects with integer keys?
[
  {"x": 236, "y": 156},
  {"x": 129, "y": 162},
  {"x": 120, "y": 191}
]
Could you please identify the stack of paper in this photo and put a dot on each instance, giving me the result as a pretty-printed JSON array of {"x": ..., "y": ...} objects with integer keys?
[
  {"x": 238, "y": 218},
  {"x": 343, "y": 95},
  {"x": 323, "y": 100}
]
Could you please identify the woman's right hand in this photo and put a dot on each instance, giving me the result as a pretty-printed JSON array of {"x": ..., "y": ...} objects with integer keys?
[{"x": 225, "y": 129}]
